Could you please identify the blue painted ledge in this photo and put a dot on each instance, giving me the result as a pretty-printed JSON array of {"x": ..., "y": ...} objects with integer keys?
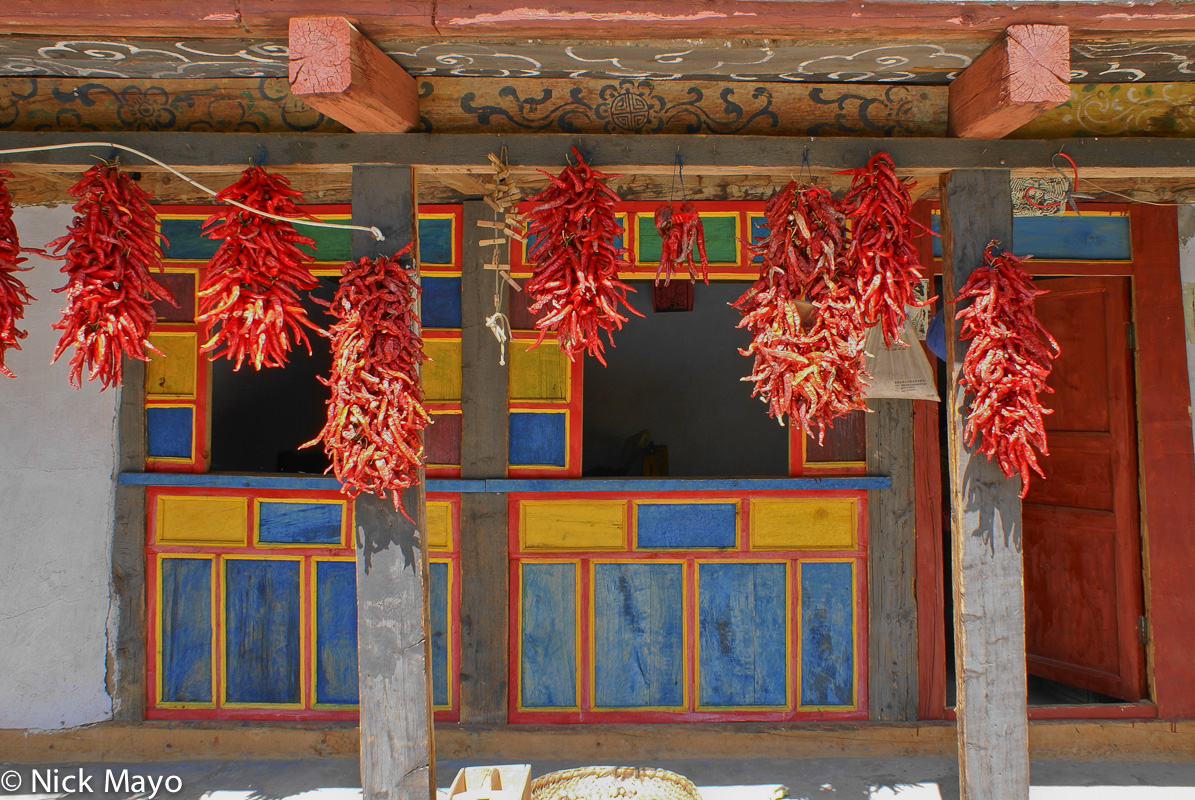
[{"x": 510, "y": 485}]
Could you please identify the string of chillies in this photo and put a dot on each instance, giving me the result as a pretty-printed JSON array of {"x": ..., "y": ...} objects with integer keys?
[
  {"x": 110, "y": 248},
  {"x": 375, "y": 422},
  {"x": 682, "y": 237},
  {"x": 574, "y": 274},
  {"x": 14, "y": 297},
  {"x": 882, "y": 253},
  {"x": 249, "y": 301},
  {"x": 1006, "y": 364},
  {"x": 810, "y": 371}
]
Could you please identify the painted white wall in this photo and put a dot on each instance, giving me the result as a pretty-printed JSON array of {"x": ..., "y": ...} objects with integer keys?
[
  {"x": 1186, "y": 264},
  {"x": 58, "y": 458}
]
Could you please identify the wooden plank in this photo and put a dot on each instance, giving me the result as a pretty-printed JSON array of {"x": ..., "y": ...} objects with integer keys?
[
  {"x": 989, "y": 607},
  {"x": 891, "y": 563},
  {"x": 1018, "y": 78},
  {"x": 393, "y": 647},
  {"x": 931, "y": 627},
  {"x": 1168, "y": 463},
  {"x": 342, "y": 74},
  {"x": 484, "y": 554}
]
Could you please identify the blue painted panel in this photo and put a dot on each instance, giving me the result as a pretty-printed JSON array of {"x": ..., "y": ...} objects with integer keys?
[
  {"x": 168, "y": 432},
  {"x": 299, "y": 523},
  {"x": 438, "y": 608},
  {"x": 440, "y": 303},
  {"x": 759, "y": 230},
  {"x": 1089, "y": 238},
  {"x": 548, "y": 646},
  {"x": 537, "y": 439},
  {"x": 336, "y": 632},
  {"x": 186, "y": 630},
  {"x": 262, "y": 631},
  {"x": 639, "y": 635},
  {"x": 184, "y": 240},
  {"x": 435, "y": 241},
  {"x": 663, "y": 525},
  {"x": 827, "y": 623},
  {"x": 741, "y": 613}
]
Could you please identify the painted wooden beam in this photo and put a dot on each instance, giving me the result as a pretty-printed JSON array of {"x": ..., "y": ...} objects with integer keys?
[
  {"x": 985, "y": 511},
  {"x": 393, "y": 647},
  {"x": 1017, "y": 79},
  {"x": 340, "y": 73}
]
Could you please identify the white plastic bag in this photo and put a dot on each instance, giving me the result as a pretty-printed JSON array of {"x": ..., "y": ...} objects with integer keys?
[{"x": 899, "y": 372}]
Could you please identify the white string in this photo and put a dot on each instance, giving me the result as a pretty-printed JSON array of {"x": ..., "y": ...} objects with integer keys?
[{"x": 375, "y": 232}]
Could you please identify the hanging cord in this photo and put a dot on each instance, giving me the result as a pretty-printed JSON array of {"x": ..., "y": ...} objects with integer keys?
[
  {"x": 375, "y": 232},
  {"x": 1070, "y": 198}
]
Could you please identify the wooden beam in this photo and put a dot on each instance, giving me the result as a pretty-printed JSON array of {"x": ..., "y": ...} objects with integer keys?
[
  {"x": 1017, "y": 79},
  {"x": 338, "y": 72},
  {"x": 891, "y": 564},
  {"x": 484, "y": 435},
  {"x": 393, "y": 647},
  {"x": 989, "y": 598}
]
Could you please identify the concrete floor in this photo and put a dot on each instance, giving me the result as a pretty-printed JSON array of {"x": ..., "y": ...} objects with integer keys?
[{"x": 748, "y": 779}]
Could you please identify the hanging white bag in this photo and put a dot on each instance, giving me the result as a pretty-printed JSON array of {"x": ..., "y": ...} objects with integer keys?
[{"x": 899, "y": 372}]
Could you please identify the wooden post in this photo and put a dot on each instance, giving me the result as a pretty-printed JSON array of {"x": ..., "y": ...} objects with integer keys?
[
  {"x": 989, "y": 597},
  {"x": 484, "y": 435},
  {"x": 892, "y": 563},
  {"x": 393, "y": 649}
]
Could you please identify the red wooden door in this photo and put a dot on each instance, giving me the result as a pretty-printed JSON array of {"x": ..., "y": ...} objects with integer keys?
[{"x": 1082, "y": 543}]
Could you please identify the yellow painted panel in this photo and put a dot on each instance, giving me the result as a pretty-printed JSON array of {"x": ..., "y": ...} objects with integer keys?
[
  {"x": 805, "y": 524},
  {"x": 442, "y": 375},
  {"x": 202, "y": 520},
  {"x": 573, "y": 524},
  {"x": 539, "y": 374},
  {"x": 439, "y": 526},
  {"x": 172, "y": 374}
]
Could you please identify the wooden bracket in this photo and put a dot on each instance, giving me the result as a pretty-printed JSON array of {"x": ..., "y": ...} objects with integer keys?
[
  {"x": 343, "y": 75},
  {"x": 1015, "y": 80}
]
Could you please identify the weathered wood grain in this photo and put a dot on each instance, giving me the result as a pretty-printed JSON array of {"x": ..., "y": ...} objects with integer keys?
[
  {"x": 891, "y": 563},
  {"x": 989, "y": 604}
]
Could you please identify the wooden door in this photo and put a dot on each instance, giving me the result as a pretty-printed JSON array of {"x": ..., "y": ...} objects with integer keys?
[{"x": 1082, "y": 544}]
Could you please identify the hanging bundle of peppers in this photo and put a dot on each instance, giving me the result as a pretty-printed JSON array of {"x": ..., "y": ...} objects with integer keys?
[
  {"x": 249, "y": 301},
  {"x": 884, "y": 259},
  {"x": 374, "y": 430},
  {"x": 574, "y": 273},
  {"x": 1006, "y": 365},
  {"x": 111, "y": 246},
  {"x": 811, "y": 369},
  {"x": 683, "y": 237},
  {"x": 13, "y": 294}
]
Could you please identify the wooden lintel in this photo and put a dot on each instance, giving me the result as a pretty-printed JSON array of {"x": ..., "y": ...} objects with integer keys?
[
  {"x": 343, "y": 75},
  {"x": 1017, "y": 79}
]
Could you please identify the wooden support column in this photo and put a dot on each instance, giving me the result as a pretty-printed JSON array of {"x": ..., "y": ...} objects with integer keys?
[
  {"x": 1014, "y": 81},
  {"x": 891, "y": 563},
  {"x": 393, "y": 650},
  {"x": 338, "y": 72},
  {"x": 989, "y": 597},
  {"x": 484, "y": 435}
]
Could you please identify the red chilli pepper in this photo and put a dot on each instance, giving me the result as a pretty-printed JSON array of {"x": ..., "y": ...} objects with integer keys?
[
  {"x": 683, "y": 238},
  {"x": 14, "y": 297}
]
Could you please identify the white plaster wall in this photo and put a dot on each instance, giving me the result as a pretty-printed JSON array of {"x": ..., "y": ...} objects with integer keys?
[
  {"x": 58, "y": 457},
  {"x": 1186, "y": 263}
]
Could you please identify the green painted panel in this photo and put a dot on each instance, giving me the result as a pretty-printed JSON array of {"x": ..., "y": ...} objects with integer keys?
[{"x": 721, "y": 246}]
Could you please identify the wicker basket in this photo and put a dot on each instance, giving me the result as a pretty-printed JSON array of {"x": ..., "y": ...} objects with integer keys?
[{"x": 608, "y": 783}]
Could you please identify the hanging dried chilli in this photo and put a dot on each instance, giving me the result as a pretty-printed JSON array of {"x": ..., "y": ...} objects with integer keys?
[
  {"x": 111, "y": 246},
  {"x": 810, "y": 370},
  {"x": 682, "y": 237},
  {"x": 574, "y": 274},
  {"x": 13, "y": 294},
  {"x": 374, "y": 429},
  {"x": 1006, "y": 365},
  {"x": 249, "y": 302},
  {"x": 884, "y": 259}
]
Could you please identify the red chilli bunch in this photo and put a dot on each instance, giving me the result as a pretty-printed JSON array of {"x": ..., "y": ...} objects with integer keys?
[
  {"x": 375, "y": 414},
  {"x": 13, "y": 294},
  {"x": 883, "y": 256},
  {"x": 574, "y": 274},
  {"x": 249, "y": 301},
  {"x": 111, "y": 246},
  {"x": 1006, "y": 365},
  {"x": 808, "y": 369},
  {"x": 683, "y": 237}
]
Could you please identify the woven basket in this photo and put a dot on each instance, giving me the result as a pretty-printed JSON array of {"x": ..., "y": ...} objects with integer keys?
[{"x": 608, "y": 783}]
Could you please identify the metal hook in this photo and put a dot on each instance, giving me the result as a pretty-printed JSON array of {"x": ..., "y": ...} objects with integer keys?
[
  {"x": 806, "y": 168},
  {"x": 260, "y": 158}
]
